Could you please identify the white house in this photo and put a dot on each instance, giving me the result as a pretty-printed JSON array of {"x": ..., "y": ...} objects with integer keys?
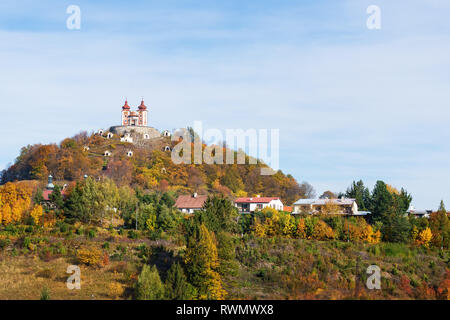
[
  {"x": 419, "y": 213},
  {"x": 312, "y": 206},
  {"x": 190, "y": 203},
  {"x": 126, "y": 138},
  {"x": 252, "y": 204}
]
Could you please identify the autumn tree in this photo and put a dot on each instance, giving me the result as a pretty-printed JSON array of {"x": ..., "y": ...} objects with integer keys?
[
  {"x": 440, "y": 227},
  {"x": 202, "y": 263},
  {"x": 36, "y": 214},
  {"x": 89, "y": 200}
]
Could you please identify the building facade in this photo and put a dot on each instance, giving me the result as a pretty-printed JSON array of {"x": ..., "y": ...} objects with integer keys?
[
  {"x": 252, "y": 204},
  {"x": 137, "y": 118},
  {"x": 190, "y": 203},
  {"x": 344, "y": 206}
]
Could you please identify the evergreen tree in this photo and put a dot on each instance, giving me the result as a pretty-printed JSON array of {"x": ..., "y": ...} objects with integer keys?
[
  {"x": 56, "y": 198},
  {"x": 202, "y": 262},
  {"x": 218, "y": 214},
  {"x": 360, "y": 193},
  {"x": 38, "y": 197},
  {"x": 149, "y": 285},
  {"x": 177, "y": 286},
  {"x": 381, "y": 201}
]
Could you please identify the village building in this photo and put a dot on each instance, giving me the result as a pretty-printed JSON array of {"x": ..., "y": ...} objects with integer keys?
[
  {"x": 419, "y": 213},
  {"x": 134, "y": 127},
  {"x": 48, "y": 191},
  {"x": 346, "y": 206},
  {"x": 190, "y": 203},
  {"x": 134, "y": 118},
  {"x": 252, "y": 204}
]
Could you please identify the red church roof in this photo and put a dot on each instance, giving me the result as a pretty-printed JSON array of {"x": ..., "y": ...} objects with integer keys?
[
  {"x": 142, "y": 106},
  {"x": 126, "y": 106}
]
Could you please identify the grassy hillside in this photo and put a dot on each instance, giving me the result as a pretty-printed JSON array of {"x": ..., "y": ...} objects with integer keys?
[{"x": 275, "y": 268}]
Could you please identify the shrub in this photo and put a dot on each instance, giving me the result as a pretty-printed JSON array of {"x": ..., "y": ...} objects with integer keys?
[
  {"x": 45, "y": 294},
  {"x": 90, "y": 256},
  {"x": 45, "y": 273},
  {"x": 115, "y": 289},
  {"x": 120, "y": 267},
  {"x": 132, "y": 234},
  {"x": 4, "y": 243},
  {"x": 92, "y": 233}
]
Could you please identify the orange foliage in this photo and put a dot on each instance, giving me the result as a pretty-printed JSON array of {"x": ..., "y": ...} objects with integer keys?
[{"x": 15, "y": 200}]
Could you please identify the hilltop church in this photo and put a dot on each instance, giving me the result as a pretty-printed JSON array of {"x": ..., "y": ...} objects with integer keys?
[
  {"x": 134, "y": 124},
  {"x": 134, "y": 118}
]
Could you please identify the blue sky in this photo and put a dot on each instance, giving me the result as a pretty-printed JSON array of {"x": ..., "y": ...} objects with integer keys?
[{"x": 350, "y": 103}]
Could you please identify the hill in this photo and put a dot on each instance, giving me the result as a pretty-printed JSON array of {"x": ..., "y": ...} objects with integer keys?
[{"x": 149, "y": 167}]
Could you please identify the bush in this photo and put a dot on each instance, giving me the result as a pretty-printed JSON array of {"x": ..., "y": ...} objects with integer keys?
[
  {"x": 63, "y": 227},
  {"x": 115, "y": 289},
  {"x": 4, "y": 243},
  {"x": 45, "y": 294},
  {"x": 90, "y": 256},
  {"x": 92, "y": 233},
  {"x": 132, "y": 234},
  {"x": 45, "y": 273}
]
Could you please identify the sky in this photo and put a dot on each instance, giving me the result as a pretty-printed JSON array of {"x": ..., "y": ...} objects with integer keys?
[{"x": 350, "y": 103}]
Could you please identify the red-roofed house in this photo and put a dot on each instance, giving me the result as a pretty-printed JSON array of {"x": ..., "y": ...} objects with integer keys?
[
  {"x": 48, "y": 191},
  {"x": 190, "y": 203},
  {"x": 248, "y": 205}
]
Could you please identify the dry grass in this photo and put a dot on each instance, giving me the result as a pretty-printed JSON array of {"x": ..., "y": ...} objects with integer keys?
[{"x": 23, "y": 278}]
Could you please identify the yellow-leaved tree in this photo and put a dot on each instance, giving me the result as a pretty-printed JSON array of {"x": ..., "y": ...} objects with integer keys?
[
  {"x": 15, "y": 201},
  {"x": 424, "y": 238},
  {"x": 202, "y": 263},
  {"x": 36, "y": 214}
]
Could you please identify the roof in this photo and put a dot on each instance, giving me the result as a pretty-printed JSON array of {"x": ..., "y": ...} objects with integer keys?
[
  {"x": 126, "y": 106},
  {"x": 362, "y": 213},
  {"x": 46, "y": 194},
  {"x": 190, "y": 202},
  {"x": 142, "y": 106},
  {"x": 341, "y": 201},
  {"x": 256, "y": 199}
]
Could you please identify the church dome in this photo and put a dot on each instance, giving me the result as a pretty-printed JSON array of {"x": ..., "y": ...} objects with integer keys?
[
  {"x": 142, "y": 106},
  {"x": 126, "y": 106}
]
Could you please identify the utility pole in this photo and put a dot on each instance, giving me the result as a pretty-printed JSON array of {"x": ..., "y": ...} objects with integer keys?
[
  {"x": 136, "y": 217},
  {"x": 348, "y": 230},
  {"x": 357, "y": 277}
]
